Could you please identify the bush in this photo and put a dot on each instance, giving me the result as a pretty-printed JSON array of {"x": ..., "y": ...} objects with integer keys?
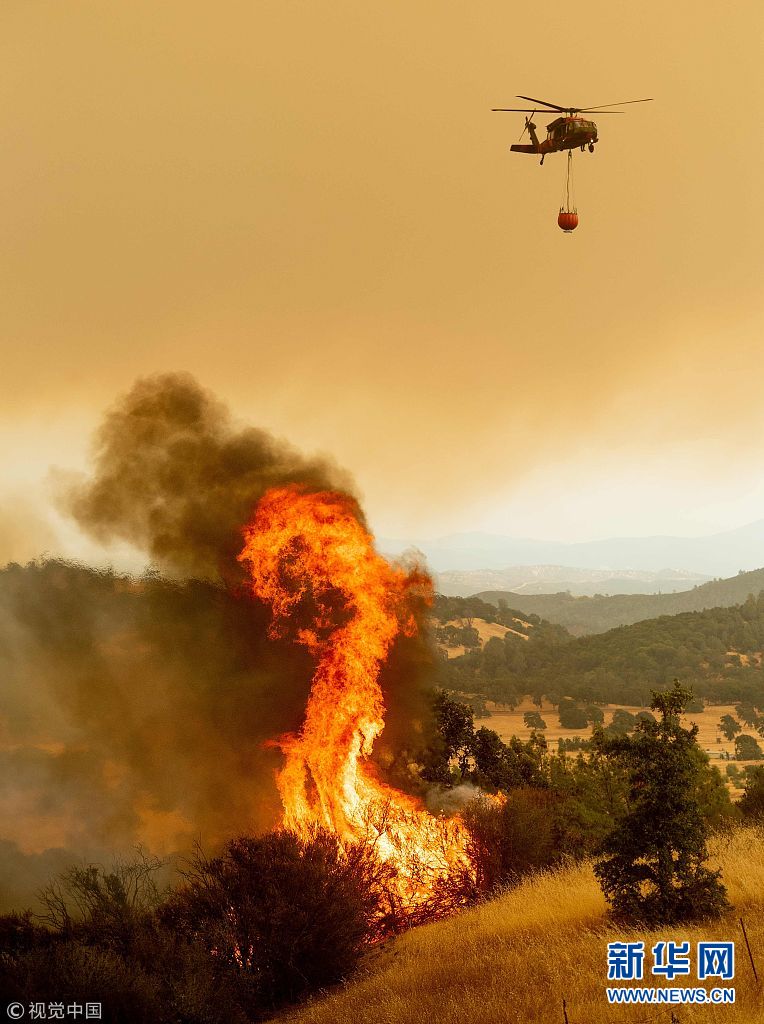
[
  {"x": 137, "y": 971},
  {"x": 510, "y": 839},
  {"x": 105, "y": 908},
  {"x": 292, "y": 915},
  {"x": 71, "y": 972}
]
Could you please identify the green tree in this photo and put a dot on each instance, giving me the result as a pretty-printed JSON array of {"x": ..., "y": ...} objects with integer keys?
[
  {"x": 623, "y": 721},
  {"x": 747, "y": 749},
  {"x": 652, "y": 865},
  {"x": 751, "y": 803},
  {"x": 747, "y": 714},
  {"x": 572, "y": 716},
  {"x": 729, "y": 726},
  {"x": 454, "y": 739},
  {"x": 533, "y": 720},
  {"x": 595, "y": 715},
  {"x": 500, "y": 765}
]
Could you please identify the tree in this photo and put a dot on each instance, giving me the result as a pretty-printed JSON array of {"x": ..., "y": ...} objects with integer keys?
[
  {"x": 746, "y": 712},
  {"x": 500, "y": 765},
  {"x": 747, "y": 749},
  {"x": 595, "y": 715},
  {"x": 652, "y": 865},
  {"x": 533, "y": 720},
  {"x": 572, "y": 716},
  {"x": 623, "y": 721},
  {"x": 454, "y": 739},
  {"x": 729, "y": 726},
  {"x": 751, "y": 803}
]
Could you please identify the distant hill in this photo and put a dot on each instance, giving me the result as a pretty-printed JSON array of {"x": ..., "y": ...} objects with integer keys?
[
  {"x": 718, "y": 651},
  {"x": 582, "y": 615},
  {"x": 719, "y": 554},
  {"x": 553, "y": 579}
]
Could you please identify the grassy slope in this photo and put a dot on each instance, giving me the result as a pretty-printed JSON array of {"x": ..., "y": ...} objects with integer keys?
[
  {"x": 596, "y": 614},
  {"x": 514, "y": 958}
]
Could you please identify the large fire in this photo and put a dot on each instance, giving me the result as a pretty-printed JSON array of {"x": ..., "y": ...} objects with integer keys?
[{"x": 311, "y": 558}]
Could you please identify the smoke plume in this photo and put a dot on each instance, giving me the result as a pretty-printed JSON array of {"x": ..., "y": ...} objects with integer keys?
[
  {"x": 139, "y": 710},
  {"x": 176, "y": 478}
]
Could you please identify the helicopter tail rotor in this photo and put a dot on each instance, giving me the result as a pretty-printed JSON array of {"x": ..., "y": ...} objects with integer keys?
[{"x": 528, "y": 124}]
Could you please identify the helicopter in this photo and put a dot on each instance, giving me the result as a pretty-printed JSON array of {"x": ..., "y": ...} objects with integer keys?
[{"x": 568, "y": 131}]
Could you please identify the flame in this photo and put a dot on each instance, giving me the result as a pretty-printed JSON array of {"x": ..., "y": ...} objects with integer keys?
[{"x": 312, "y": 559}]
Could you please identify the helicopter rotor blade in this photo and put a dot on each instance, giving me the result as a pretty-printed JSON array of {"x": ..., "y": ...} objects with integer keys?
[
  {"x": 554, "y": 106},
  {"x": 527, "y": 110},
  {"x": 623, "y": 103}
]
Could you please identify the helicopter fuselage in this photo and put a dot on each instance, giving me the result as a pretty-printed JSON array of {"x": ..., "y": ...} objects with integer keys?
[{"x": 562, "y": 133}]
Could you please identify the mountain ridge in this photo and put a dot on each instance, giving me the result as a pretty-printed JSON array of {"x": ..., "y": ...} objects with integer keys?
[
  {"x": 548, "y": 579},
  {"x": 586, "y": 615},
  {"x": 717, "y": 554}
]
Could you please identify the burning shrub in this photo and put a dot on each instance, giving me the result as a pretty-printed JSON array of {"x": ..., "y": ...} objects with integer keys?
[{"x": 291, "y": 914}]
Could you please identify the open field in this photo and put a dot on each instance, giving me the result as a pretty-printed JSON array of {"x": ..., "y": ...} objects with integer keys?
[
  {"x": 514, "y": 959},
  {"x": 509, "y": 722}
]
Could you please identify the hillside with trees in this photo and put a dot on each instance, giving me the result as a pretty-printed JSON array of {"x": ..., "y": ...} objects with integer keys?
[
  {"x": 717, "y": 651},
  {"x": 583, "y": 615}
]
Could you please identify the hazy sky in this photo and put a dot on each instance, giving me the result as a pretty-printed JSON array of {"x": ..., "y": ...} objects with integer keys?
[{"x": 311, "y": 207}]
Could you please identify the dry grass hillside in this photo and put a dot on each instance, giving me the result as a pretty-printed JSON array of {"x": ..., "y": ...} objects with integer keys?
[
  {"x": 514, "y": 959},
  {"x": 485, "y": 630}
]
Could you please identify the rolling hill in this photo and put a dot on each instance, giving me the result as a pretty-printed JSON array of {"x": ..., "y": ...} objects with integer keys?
[
  {"x": 552, "y": 579},
  {"x": 718, "y": 651},
  {"x": 582, "y": 615}
]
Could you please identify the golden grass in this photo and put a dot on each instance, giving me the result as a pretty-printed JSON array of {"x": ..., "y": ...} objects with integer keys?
[{"x": 512, "y": 960}]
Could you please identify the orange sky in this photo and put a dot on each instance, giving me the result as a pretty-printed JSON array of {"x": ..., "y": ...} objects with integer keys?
[{"x": 312, "y": 209}]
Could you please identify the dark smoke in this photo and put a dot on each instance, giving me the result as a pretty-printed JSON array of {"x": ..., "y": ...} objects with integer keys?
[
  {"x": 139, "y": 710},
  {"x": 175, "y": 477}
]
